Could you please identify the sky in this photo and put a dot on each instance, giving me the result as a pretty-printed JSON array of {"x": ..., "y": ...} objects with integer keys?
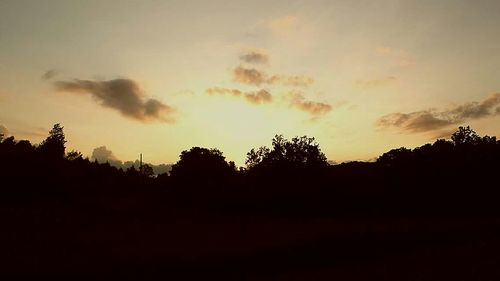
[{"x": 159, "y": 77}]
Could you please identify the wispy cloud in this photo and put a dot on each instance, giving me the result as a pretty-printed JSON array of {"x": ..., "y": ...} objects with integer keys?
[
  {"x": 123, "y": 95},
  {"x": 49, "y": 74},
  {"x": 255, "y": 57},
  {"x": 258, "y": 97},
  {"x": 255, "y": 77},
  {"x": 432, "y": 119},
  {"x": 314, "y": 108}
]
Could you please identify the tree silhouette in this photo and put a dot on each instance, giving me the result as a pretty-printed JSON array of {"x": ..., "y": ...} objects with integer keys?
[
  {"x": 54, "y": 144},
  {"x": 201, "y": 164},
  {"x": 74, "y": 155},
  {"x": 465, "y": 135},
  {"x": 300, "y": 152},
  {"x": 396, "y": 156},
  {"x": 146, "y": 170}
]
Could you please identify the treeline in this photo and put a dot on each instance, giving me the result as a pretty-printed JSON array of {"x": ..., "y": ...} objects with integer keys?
[{"x": 457, "y": 175}]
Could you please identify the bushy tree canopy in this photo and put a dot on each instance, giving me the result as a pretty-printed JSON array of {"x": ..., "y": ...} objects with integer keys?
[
  {"x": 201, "y": 164},
  {"x": 300, "y": 152}
]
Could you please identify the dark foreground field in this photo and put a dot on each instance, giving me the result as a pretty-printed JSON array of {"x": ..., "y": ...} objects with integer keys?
[{"x": 67, "y": 240}]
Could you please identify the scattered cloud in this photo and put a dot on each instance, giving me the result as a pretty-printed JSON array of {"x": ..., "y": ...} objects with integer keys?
[
  {"x": 258, "y": 97},
  {"x": 49, "y": 74},
  {"x": 224, "y": 91},
  {"x": 375, "y": 83},
  {"x": 252, "y": 76},
  {"x": 314, "y": 108},
  {"x": 123, "y": 95},
  {"x": 255, "y": 57},
  {"x": 400, "y": 57},
  {"x": 255, "y": 77},
  {"x": 420, "y": 121},
  {"x": 295, "y": 80},
  {"x": 432, "y": 119},
  {"x": 103, "y": 155},
  {"x": 3, "y": 130}
]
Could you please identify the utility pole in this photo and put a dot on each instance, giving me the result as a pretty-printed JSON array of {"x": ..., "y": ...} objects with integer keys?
[{"x": 140, "y": 163}]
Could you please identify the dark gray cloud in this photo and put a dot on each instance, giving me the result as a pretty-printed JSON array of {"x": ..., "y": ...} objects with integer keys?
[
  {"x": 255, "y": 57},
  {"x": 431, "y": 119},
  {"x": 255, "y": 77},
  {"x": 104, "y": 155},
  {"x": 49, "y": 74},
  {"x": 123, "y": 95},
  {"x": 3, "y": 130},
  {"x": 312, "y": 107},
  {"x": 259, "y": 97}
]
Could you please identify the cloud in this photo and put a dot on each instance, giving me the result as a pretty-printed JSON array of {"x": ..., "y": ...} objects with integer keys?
[
  {"x": 123, "y": 95},
  {"x": 259, "y": 97},
  {"x": 249, "y": 76},
  {"x": 252, "y": 76},
  {"x": 431, "y": 119},
  {"x": 255, "y": 57},
  {"x": 103, "y": 155},
  {"x": 224, "y": 91},
  {"x": 294, "y": 80},
  {"x": 49, "y": 74},
  {"x": 314, "y": 108},
  {"x": 368, "y": 84},
  {"x": 400, "y": 57},
  {"x": 3, "y": 130}
]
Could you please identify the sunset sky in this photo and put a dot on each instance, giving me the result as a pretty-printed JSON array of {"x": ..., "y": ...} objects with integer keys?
[{"x": 159, "y": 77}]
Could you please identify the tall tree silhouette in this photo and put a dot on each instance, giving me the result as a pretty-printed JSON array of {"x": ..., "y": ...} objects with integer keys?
[{"x": 54, "y": 144}]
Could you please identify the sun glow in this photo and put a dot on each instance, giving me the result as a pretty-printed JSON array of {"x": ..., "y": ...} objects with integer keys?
[{"x": 236, "y": 126}]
